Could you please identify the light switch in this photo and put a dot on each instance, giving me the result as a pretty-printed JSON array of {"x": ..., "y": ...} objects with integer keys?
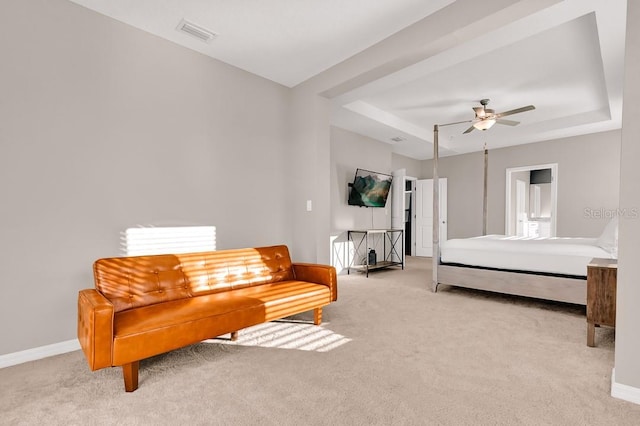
[{"x": 309, "y": 207}]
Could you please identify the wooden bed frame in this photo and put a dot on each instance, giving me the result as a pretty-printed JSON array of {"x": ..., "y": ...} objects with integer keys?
[{"x": 562, "y": 289}]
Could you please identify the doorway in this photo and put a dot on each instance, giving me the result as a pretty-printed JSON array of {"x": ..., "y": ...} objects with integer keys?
[
  {"x": 409, "y": 223},
  {"x": 403, "y": 208},
  {"x": 531, "y": 201}
]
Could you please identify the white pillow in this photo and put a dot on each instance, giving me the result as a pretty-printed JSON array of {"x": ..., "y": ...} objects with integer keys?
[{"x": 608, "y": 240}]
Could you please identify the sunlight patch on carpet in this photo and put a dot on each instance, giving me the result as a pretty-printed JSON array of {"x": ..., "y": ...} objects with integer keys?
[{"x": 286, "y": 335}]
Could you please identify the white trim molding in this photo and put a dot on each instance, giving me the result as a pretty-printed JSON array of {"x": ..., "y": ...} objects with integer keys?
[
  {"x": 41, "y": 352},
  {"x": 625, "y": 392}
]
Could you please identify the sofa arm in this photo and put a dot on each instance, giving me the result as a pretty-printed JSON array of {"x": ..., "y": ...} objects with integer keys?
[
  {"x": 319, "y": 274},
  {"x": 95, "y": 328}
]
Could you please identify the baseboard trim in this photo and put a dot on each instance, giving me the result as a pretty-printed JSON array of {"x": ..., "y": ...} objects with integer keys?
[
  {"x": 625, "y": 392},
  {"x": 34, "y": 354}
]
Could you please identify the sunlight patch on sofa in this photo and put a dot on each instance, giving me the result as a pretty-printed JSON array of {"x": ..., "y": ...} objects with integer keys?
[{"x": 286, "y": 335}]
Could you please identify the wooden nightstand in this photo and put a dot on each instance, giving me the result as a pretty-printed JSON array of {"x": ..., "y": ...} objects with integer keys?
[{"x": 601, "y": 295}]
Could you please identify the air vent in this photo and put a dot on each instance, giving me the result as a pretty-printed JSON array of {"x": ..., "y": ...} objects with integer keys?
[
  {"x": 196, "y": 31},
  {"x": 398, "y": 139}
]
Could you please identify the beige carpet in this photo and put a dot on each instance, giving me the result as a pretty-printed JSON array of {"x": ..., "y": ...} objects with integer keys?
[{"x": 389, "y": 353}]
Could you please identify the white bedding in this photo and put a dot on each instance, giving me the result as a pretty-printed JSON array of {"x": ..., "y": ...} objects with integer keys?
[{"x": 566, "y": 256}]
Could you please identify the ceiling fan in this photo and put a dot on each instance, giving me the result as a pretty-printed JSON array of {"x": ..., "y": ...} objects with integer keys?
[{"x": 486, "y": 118}]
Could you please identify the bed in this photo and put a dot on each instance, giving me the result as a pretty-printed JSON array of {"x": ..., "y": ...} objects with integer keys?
[
  {"x": 545, "y": 268},
  {"x": 506, "y": 271}
]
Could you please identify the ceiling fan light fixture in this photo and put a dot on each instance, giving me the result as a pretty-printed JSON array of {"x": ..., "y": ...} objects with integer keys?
[{"x": 485, "y": 124}]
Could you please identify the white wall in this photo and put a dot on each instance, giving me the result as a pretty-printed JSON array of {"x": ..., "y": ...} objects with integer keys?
[
  {"x": 103, "y": 127},
  {"x": 308, "y": 169},
  {"x": 627, "y": 368}
]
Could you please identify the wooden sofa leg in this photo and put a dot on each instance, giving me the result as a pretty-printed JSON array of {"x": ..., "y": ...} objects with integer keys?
[
  {"x": 234, "y": 336},
  {"x": 130, "y": 373},
  {"x": 317, "y": 316}
]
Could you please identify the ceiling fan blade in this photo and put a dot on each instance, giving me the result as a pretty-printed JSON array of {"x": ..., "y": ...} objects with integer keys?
[
  {"x": 457, "y": 122},
  {"x": 515, "y": 111},
  {"x": 507, "y": 122},
  {"x": 470, "y": 129}
]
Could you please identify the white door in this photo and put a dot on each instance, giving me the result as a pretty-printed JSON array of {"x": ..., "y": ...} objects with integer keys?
[{"x": 424, "y": 215}]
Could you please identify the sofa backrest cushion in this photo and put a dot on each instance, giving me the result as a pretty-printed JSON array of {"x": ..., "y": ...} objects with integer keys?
[
  {"x": 130, "y": 282},
  {"x": 217, "y": 271}
]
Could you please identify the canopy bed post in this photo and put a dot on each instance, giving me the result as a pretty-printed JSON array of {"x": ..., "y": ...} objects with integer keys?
[
  {"x": 435, "y": 259},
  {"x": 484, "y": 200}
]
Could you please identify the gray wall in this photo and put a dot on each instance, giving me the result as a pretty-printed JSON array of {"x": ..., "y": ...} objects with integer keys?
[
  {"x": 350, "y": 151},
  {"x": 465, "y": 174},
  {"x": 105, "y": 127},
  {"x": 412, "y": 167},
  {"x": 308, "y": 168},
  {"x": 627, "y": 368},
  {"x": 588, "y": 183}
]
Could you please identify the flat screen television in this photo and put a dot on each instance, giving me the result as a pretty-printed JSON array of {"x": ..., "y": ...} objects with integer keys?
[{"x": 369, "y": 189}]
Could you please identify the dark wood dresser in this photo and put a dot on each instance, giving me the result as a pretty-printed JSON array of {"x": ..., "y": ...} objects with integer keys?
[{"x": 601, "y": 295}]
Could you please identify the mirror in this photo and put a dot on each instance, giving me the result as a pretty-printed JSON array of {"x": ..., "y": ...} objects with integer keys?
[
  {"x": 540, "y": 201},
  {"x": 530, "y": 201}
]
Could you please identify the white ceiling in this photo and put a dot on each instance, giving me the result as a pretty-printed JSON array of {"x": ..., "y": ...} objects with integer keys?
[
  {"x": 287, "y": 41},
  {"x": 566, "y": 59}
]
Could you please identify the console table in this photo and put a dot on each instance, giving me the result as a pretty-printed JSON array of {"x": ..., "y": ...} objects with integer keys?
[
  {"x": 362, "y": 240},
  {"x": 602, "y": 277}
]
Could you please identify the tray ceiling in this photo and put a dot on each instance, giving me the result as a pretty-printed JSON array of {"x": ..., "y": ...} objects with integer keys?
[{"x": 566, "y": 59}]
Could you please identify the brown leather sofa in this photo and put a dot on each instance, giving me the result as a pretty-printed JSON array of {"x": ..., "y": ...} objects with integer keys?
[{"x": 147, "y": 305}]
